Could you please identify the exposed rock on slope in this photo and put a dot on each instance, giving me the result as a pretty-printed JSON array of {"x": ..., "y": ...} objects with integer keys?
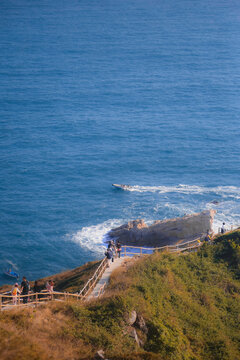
[{"x": 164, "y": 232}]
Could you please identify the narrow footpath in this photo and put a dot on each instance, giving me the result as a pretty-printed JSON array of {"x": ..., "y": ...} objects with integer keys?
[{"x": 106, "y": 276}]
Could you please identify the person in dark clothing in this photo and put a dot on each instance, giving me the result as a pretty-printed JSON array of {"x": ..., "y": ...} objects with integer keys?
[
  {"x": 109, "y": 255},
  {"x": 36, "y": 287},
  {"x": 111, "y": 246},
  {"x": 24, "y": 289},
  {"x": 207, "y": 238},
  {"x": 119, "y": 248}
]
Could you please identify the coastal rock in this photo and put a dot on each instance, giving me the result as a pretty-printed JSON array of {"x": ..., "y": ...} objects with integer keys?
[{"x": 164, "y": 232}]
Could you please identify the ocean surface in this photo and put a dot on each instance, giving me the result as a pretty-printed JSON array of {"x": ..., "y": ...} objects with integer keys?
[{"x": 135, "y": 92}]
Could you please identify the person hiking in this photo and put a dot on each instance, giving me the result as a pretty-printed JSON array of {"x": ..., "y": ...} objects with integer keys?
[
  {"x": 109, "y": 255},
  {"x": 48, "y": 286},
  {"x": 15, "y": 291},
  {"x": 223, "y": 229},
  {"x": 207, "y": 237},
  {"x": 112, "y": 247},
  {"x": 24, "y": 289},
  {"x": 36, "y": 287},
  {"x": 119, "y": 248},
  {"x": 51, "y": 283}
]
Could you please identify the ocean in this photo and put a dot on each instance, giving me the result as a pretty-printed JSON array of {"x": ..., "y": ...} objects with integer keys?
[{"x": 135, "y": 92}]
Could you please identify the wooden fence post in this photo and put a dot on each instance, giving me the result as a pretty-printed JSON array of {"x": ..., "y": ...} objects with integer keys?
[
  {"x": 0, "y": 302},
  {"x": 140, "y": 251},
  {"x": 36, "y": 299},
  {"x": 125, "y": 252}
]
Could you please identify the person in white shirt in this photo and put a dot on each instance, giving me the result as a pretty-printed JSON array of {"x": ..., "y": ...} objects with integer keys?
[
  {"x": 223, "y": 229},
  {"x": 15, "y": 291}
]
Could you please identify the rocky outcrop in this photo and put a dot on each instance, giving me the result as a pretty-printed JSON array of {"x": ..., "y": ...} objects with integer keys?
[
  {"x": 99, "y": 355},
  {"x": 130, "y": 318},
  {"x": 141, "y": 324},
  {"x": 136, "y": 321},
  {"x": 164, "y": 232}
]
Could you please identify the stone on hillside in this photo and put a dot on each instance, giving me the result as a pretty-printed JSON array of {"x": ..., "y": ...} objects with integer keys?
[
  {"x": 99, "y": 355},
  {"x": 130, "y": 318},
  {"x": 132, "y": 332},
  {"x": 141, "y": 324},
  {"x": 164, "y": 232}
]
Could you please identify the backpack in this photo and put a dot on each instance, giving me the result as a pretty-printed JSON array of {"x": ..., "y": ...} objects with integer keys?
[{"x": 15, "y": 291}]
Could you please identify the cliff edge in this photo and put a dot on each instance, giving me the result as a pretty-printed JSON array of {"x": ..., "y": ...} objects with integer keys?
[{"x": 164, "y": 232}]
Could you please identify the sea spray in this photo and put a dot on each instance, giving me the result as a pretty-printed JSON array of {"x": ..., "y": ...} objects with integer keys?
[{"x": 95, "y": 237}]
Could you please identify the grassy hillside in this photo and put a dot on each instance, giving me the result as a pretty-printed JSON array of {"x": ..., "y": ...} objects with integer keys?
[{"x": 190, "y": 305}]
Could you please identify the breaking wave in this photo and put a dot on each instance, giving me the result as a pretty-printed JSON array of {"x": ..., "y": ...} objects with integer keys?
[
  {"x": 224, "y": 199},
  {"x": 93, "y": 237}
]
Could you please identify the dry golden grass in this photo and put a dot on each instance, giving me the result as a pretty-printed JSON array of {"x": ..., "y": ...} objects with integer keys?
[
  {"x": 190, "y": 305},
  {"x": 39, "y": 334}
]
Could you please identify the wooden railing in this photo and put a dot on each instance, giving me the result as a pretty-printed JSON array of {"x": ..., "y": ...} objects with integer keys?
[
  {"x": 87, "y": 289},
  {"x": 180, "y": 247},
  {"x": 9, "y": 301},
  {"x": 6, "y": 300},
  {"x": 101, "y": 290}
]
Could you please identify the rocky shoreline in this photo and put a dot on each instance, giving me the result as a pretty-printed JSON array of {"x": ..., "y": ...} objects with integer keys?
[{"x": 164, "y": 232}]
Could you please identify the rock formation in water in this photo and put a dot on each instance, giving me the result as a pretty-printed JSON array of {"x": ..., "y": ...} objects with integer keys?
[{"x": 164, "y": 232}]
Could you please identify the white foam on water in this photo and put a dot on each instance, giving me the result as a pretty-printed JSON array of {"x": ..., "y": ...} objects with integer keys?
[
  {"x": 224, "y": 199},
  {"x": 224, "y": 191},
  {"x": 228, "y": 211},
  {"x": 93, "y": 237},
  {"x": 13, "y": 265}
]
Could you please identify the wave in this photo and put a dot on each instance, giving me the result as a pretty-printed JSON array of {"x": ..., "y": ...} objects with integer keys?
[
  {"x": 93, "y": 237},
  {"x": 13, "y": 265},
  {"x": 231, "y": 191},
  {"x": 225, "y": 199}
]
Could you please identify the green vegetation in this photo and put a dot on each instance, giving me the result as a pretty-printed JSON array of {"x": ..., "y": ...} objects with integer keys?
[{"x": 190, "y": 304}]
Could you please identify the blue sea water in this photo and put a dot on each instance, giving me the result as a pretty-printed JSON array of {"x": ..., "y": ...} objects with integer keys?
[{"x": 92, "y": 93}]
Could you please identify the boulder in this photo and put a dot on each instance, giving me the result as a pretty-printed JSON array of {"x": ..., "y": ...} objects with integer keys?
[
  {"x": 164, "y": 232},
  {"x": 99, "y": 355},
  {"x": 141, "y": 324},
  {"x": 132, "y": 332},
  {"x": 130, "y": 318}
]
